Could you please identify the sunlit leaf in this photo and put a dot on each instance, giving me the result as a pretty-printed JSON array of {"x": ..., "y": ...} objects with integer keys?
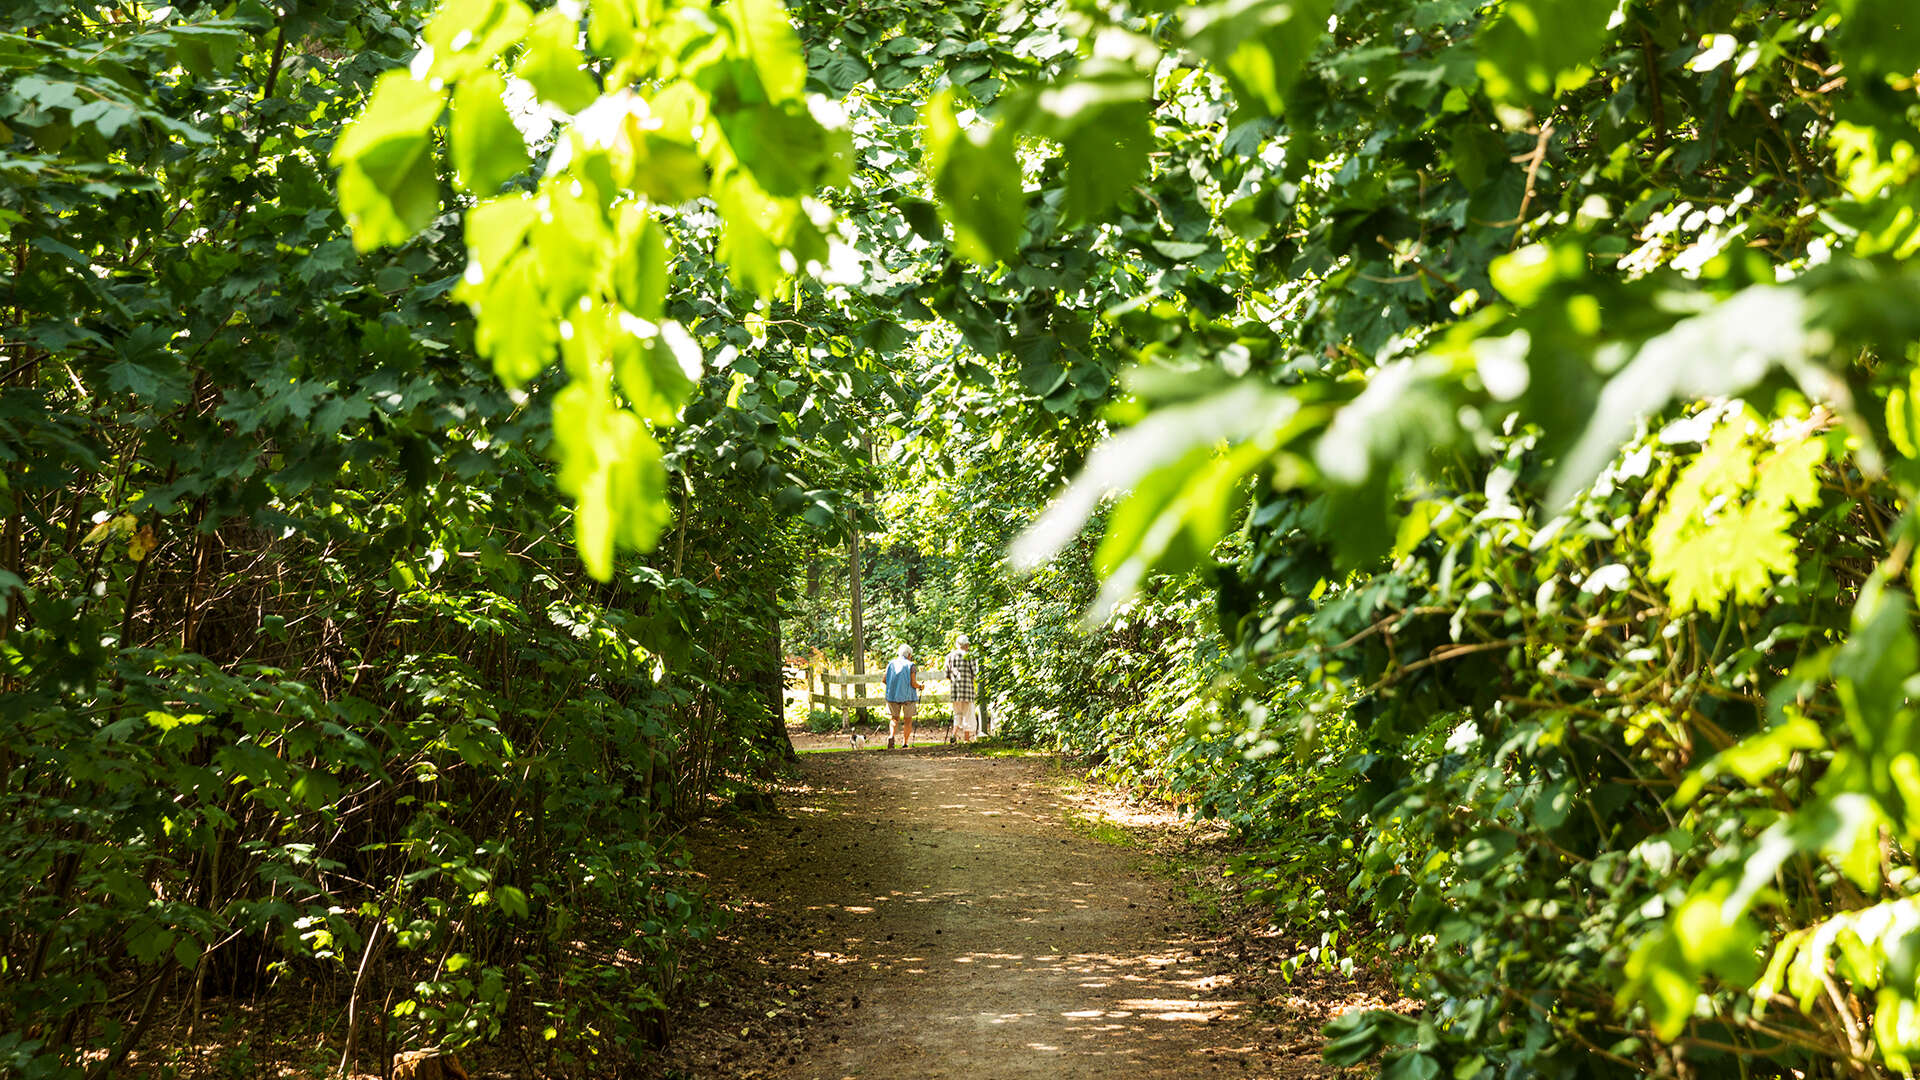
[
  {"x": 768, "y": 40},
  {"x": 978, "y": 182},
  {"x": 486, "y": 148},
  {"x": 553, "y": 63}
]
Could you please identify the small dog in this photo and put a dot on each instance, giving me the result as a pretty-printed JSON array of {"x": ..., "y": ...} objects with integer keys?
[
  {"x": 427, "y": 1065},
  {"x": 856, "y": 740}
]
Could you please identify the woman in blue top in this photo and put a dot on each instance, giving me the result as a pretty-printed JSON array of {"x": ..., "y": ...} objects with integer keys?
[{"x": 903, "y": 696}]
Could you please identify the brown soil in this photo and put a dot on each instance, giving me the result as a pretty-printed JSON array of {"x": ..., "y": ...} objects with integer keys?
[{"x": 935, "y": 913}]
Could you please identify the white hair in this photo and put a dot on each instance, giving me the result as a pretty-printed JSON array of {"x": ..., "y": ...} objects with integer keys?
[{"x": 904, "y": 651}]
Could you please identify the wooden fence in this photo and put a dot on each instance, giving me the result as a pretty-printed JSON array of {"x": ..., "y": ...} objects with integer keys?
[
  {"x": 852, "y": 696},
  {"x": 847, "y": 700}
]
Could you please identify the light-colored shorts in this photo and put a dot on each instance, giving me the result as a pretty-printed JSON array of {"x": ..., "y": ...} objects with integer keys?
[
  {"x": 902, "y": 710},
  {"x": 964, "y": 718}
]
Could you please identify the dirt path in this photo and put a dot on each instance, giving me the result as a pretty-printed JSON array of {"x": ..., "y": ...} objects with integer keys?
[{"x": 932, "y": 914}]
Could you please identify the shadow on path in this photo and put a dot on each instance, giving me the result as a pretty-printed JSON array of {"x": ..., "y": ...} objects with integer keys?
[{"x": 935, "y": 916}]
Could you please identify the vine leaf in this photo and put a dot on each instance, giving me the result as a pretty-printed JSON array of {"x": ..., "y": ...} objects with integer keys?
[{"x": 1726, "y": 527}]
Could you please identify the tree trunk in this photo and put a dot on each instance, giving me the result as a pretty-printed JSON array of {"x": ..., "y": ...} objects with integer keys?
[
  {"x": 773, "y": 684},
  {"x": 859, "y": 626}
]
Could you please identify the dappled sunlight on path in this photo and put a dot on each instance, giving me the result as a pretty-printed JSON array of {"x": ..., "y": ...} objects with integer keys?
[{"x": 949, "y": 923}]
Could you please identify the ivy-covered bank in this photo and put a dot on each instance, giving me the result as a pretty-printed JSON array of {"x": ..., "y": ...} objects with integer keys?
[{"x": 1468, "y": 445}]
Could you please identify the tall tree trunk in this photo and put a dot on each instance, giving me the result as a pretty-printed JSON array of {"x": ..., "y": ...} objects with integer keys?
[
  {"x": 859, "y": 626},
  {"x": 773, "y": 684},
  {"x": 813, "y": 612}
]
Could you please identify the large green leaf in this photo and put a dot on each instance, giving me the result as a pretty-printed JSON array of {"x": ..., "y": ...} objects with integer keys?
[
  {"x": 1102, "y": 121},
  {"x": 466, "y": 36},
  {"x": 1181, "y": 471},
  {"x": 788, "y": 152},
  {"x": 486, "y": 148},
  {"x": 976, "y": 175},
  {"x": 1726, "y": 528},
  {"x": 1261, "y": 46},
  {"x": 768, "y": 41},
  {"x": 1536, "y": 48},
  {"x": 1885, "y": 37},
  {"x": 1724, "y": 350},
  {"x": 612, "y": 467},
  {"x": 553, "y": 63},
  {"x": 389, "y": 188}
]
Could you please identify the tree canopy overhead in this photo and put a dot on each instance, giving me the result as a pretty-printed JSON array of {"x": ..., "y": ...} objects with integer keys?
[{"x": 1487, "y": 430}]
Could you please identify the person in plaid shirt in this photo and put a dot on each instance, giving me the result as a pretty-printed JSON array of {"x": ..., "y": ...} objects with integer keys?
[{"x": 963, "y": 672}]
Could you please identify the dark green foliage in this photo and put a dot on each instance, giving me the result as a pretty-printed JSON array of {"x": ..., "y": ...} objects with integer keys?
[
  {"x": 1496, "y": 428},
  {"x": 304, "y": 688}
]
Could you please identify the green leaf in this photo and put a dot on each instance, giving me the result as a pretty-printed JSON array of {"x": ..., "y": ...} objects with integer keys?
[
  {"x": 512, "y": 901},
  {"x": 1358, "y": 1034},
  {"x": 1536, "y": 48},
  {"x": 1880, "y": 36},
  {"x": 392, "y": 130},
  {"x": 616, "y": 28},
  {"x": 147, "y": 942},
  {"x": 316, "y": 788},
  {"x": 1184, "y": 468},
  {"x": 613, "y": 470},
  {"x": 1101, "y": 117},
  {"x": 844, "y": 70},
  {"x": 1551, "y": 806},
  {"x": 519, "y": 337},
  {"x": 566, "y": 242},
  {"x": 768, "y": 41},
  {"x": 168, "y": 721},
  {"x": 1410, "y": 1065},
  {"x": 1753, "y": 758},
  {"x": 389, "y": 188},
  {"x": 389, "y": 209},
  {"x": 655, "y": 368},
  {"x": 496, "y": 228},
  {"x": 466, "y": 35},
  {"x": 1717, "y": 353},
  {"x": 554, "y": 65},
  {"x": 1524, "y": 276},
  {"x": 788, "y": 152},
  {"x": 923, "y": 218},
  {"x": 1726, "y": 527},
  {"x": 977, "y": 178},
  {"x": 751, "y": 252},
  {"x": 1872, "y": 667},
  {"x": 1903, "y": 417},
  {"x": 1260, "y": 46},
  {"x": 640, "y": 263},
  {"x": 106, "y": 116},
  {"x": 486, "y": 148},
  {"x": 1704, "y": 936}
]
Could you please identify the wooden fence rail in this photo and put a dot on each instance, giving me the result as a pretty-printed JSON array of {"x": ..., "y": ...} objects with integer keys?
[{"x": 847, "y": 701}]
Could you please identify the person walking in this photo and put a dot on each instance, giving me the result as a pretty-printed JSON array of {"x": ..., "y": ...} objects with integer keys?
[
  {"x": 963, "y": 673},
  {"x": 903, "y": 696}
]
